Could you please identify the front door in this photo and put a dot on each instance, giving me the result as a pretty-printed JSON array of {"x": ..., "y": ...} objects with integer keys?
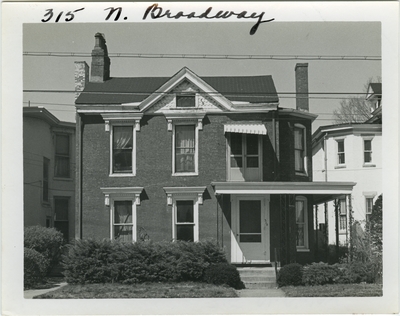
[{"x": 250, "y": 229}]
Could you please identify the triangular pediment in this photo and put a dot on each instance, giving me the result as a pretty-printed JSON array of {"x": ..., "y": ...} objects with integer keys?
[{"x": 185, "y": 82}]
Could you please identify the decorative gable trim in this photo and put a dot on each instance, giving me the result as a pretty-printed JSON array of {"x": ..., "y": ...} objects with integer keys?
[{"x": 175, "y": 80}]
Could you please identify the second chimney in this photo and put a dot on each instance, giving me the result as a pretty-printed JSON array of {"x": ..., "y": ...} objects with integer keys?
[
  {"x": 302, "y": 87},
  {"x": 100, "y": 69}
]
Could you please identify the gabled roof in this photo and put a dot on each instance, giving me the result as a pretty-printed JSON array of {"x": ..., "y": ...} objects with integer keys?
[
  {"x": 374, "y": 89},
  {"x": 253, "y": 89}
]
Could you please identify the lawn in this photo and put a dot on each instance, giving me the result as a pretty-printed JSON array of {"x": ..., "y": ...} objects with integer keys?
[
  {"x": 145, "y": 290},
  {"x": 334, "y": 290}
]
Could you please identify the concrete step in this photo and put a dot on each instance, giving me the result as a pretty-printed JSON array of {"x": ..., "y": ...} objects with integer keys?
[
  {"x": 258, "y": 278},
  {"x": 260, "y": 285}
]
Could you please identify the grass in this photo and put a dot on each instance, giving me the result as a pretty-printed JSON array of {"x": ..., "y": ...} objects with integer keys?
[
  {"x": 47, "y": 283},
  {"x": 145, "y": 290},
  {"x": 334, "y": 290}
]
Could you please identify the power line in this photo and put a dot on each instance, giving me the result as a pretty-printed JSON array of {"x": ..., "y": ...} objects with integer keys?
[{"x": 211, "y": 56}]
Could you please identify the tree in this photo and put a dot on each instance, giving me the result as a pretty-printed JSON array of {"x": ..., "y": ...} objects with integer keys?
[{"x": 354, "y": 109}]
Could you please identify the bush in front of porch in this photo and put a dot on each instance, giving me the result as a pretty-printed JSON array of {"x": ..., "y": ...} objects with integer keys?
[{"x": 91, "y": 261}]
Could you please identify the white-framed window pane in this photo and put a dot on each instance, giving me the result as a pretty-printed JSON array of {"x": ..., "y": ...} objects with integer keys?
[
  {"x": 343, "y": 222},
  {"x": 185, "y": 220},
  {"x": 123, "y": 220},
  {"x": 185, "y": 148},
  {"x": 341, "y": 154},
  {"x": 367, "y": 151},
  {"x": 122, "y": 149},
  {"x": 370, "y": 204},
  {"x": 343, "y": 207}
]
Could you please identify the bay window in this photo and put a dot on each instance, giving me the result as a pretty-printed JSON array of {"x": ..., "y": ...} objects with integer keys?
[{"x": 300, "y": 149}]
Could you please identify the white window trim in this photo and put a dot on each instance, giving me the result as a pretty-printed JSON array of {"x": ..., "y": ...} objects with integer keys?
[
  {"x": 305, "y": 159},
  {"x": 122, "y": 194},
  {"x": 194, "y": 194},
  {"x": 229, "y": 154},
  {"x": 340, "y": 165},
  {"x": 306, "y": 247},
  {"x": 369, "y": 195},
  {"x": 122, "y": 119},
  {"x": 343, "y": 214},
  {"x": 198, "y": 125},
  {"x": 367, "y": 164}
]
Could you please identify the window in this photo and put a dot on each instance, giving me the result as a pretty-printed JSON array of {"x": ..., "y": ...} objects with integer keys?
[
  {"x": 340, "y": 152},
  {"x": 122, "y": 149},
  {"x": 61, "y": 206},
  {"x": 185, "y": 203},
  {"x": 244, "y": 157},
  {"x": 122, "y": 202},
  {"x": 45, "y": 185},
  {"x": 122, "y": 220},
  {"x": 185, "y": 101},
  {"x": 369, "y": 205},
  {"x": 299, "y": 149},
  {"x": 343, "y": 215},
  {"x": 184, "y": 220},
  {"x": 367, "y": 150},
  {"x": 301, "y": 223},
  {"x": 62, "y": 156},
  {"x": 185, "y": 149}
]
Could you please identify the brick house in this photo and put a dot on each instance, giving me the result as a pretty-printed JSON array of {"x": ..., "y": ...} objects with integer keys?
[
  {"x": 49, "y": 185},
  {"x": 193, "y": 158}
]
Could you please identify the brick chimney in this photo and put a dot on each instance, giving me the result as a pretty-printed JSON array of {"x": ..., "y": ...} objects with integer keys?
[
  {"x": 81, "y": 77},
  {"x": 100, "y": 69},
  {"x": 302, "y": 87}
]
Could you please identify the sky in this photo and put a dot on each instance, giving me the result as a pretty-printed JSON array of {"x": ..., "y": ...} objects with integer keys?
[{"x": 227, "y": 38}]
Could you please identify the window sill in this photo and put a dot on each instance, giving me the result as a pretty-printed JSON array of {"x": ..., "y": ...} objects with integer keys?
[
  {"x": 369, "y": 165},
  {"x": 340, "y": 166},
  {"x": 304, "y": 174},
  {"x": 303, "y": 250},
  {"x": 185, "y": 174},
  {"x": 121, "y": 175}
]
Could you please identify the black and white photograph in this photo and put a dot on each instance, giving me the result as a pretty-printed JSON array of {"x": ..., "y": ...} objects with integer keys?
[{"x": 200, "y": 158}]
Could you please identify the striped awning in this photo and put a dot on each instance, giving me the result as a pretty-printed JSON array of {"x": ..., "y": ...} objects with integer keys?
[{"x": 246, "y": 128}]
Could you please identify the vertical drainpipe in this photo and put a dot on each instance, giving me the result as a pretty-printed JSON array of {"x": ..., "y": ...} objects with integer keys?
[{"x": 78, "y": 177}]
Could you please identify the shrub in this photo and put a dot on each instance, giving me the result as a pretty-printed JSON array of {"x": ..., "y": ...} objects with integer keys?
[
  {"x": 46, "y": 241},
  {"x": 357, "y": 272},
  {"x": 35, "y": 267},
  {"x": 290, "y": 274},
  {"x": 320, "y": 273},
  {"x": 223, "y": 274},
  {"x": 90, "y": 261}
]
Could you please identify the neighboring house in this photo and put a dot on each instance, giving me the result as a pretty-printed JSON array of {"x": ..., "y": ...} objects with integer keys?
[
  {"x": 49, "y": 173},
  {"x": 192, "y": 158},
  {"x": 351, "y": 151}
]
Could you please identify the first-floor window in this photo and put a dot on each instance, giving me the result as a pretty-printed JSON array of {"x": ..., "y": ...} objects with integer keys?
[
  {"x": 184, "y": 222},
  {"x": 343, "y": 215},
  {"x": 301, "y": 223},
  {"x": 122, "y": 220},
  {"x": 61, "y": 215}
]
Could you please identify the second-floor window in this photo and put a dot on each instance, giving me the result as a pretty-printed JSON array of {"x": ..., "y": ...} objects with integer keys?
[
  {"x": 62, "y": 156},
  {"x": 185, "y": 148},
  {"x": 340, "y": 152},
  {"x": 367, "y": 150},
  {"x": 299, "y": 149},
  {"x": 122, "y": 147}
]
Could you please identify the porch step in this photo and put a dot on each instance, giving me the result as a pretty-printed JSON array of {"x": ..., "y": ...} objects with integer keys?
[{"x": 258, "y": 278}]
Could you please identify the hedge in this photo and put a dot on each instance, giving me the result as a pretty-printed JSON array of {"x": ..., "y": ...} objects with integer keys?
[
  {"x": 223, "y": 274},
  {"x": 290, "y": 274},
  {"x": 91, "y": 261},
  {"x": 35, "y": 267}
]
